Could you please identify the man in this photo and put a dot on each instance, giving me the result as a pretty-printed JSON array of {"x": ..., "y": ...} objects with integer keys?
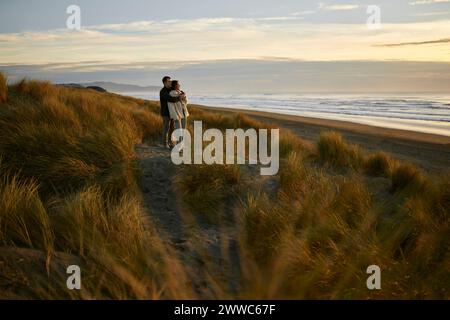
[{"x": 168, "y": 124}]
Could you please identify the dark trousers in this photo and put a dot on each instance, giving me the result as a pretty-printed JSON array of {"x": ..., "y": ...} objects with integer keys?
[
  {"x": 180, "y": 124},
  {"x": 168, "y": 127}
]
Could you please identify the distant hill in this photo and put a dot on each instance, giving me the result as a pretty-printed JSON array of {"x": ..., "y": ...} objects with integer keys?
[
  {"x": 112, "y": 87},
  {"x": 120, "y": 87},
  {"x": 97, "y": 88}
]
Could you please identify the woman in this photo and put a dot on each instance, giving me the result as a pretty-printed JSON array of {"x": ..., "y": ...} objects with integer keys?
[{"x": 178, "y": 110}]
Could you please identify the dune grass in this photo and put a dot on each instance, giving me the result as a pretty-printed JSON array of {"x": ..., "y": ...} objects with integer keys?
[
  {"x": 327, "y": 223},
  {"x": 205, "y": 189},
  {"x": 68, "y": 186},
  {"x": 408, "y": 176},
  {"x": 3, "y": 88},
  {"x": 316, "y": 239},
  {"x": 333, "y": 150},
  {"x": 380, "y": 164},
  {"x": 24, "y": 220}
]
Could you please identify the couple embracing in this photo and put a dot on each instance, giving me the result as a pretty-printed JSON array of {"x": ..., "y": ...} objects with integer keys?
[{"x": 173, "y": 110}]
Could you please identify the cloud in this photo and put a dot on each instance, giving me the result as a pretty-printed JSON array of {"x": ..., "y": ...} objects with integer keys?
[
  {"x": 429, "y": 14},
  {"x": 340, "y": 7},
  {"x": 304, "y": 13},
  {"x": 419, "y": 43},
  {"x": 420, "y": 2},
  {"x": 224, "y": 38},
  {"x": 322, "y": 6}
]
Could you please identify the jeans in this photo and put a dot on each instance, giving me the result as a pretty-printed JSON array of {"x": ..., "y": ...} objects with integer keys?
[
  {"x": 168, "y": 127},
  {"x": 181, "y": 124}
]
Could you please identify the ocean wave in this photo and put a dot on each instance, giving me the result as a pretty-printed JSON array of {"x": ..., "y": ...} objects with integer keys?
[{"x": 419, "y": 113}]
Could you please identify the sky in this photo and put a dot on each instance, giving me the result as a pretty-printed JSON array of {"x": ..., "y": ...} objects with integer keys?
[{"x": 233, "y": 46}]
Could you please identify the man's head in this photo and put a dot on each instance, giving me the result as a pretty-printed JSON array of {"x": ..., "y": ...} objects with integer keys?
[{"x": 167, "y": 81}]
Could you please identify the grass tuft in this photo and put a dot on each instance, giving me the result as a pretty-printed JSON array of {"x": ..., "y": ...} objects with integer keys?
[
  {"x": 3, "y": 88},
  {"x": 333, "y": 150},
  {"x": 379, "y": 164},
  {"x": 407, "y": 177},
  {"x": 205, "y": 188}
]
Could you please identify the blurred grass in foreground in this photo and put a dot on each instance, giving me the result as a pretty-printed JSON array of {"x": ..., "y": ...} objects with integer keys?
[{"x": 68, "y": 192}]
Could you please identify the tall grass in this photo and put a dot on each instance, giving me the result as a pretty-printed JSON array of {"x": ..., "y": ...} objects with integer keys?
[
  {"x": 3, "y": 88},
  {"x": 68, "y": 185},
  {"x": 380, "y": 164},
  {"x": 72, "y": 138},
  {"x": 289, "y": 143},
  {"x": 68, "y": 192},
  {"x": 335, "y": 151},
  {"x": 205, "y": 188},
  {"x": 317, "y": 234},
  {"x": 320, "y": 247},
  {"x": 23, "y": 217},
  {"x": 407, "y": 176}
]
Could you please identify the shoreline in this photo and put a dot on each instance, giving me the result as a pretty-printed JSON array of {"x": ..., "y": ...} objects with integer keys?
[
  {"x": 340, "y": 125},
  {"x": 429, "y": 151}
]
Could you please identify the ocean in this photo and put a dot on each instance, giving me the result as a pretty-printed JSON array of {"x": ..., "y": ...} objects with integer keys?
[{"x": 421, "y": 113}]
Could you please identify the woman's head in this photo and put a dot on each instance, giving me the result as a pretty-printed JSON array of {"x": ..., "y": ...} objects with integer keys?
[{"x": 175, "y": 85}]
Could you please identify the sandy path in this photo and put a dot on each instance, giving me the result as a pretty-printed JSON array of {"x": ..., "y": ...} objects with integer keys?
[
  {"x": 156, "y": 185},
  {"x": 206, "y": 248}
]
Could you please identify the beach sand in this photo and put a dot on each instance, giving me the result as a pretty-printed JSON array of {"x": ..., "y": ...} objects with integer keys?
[{"x": 429, "y": 151}]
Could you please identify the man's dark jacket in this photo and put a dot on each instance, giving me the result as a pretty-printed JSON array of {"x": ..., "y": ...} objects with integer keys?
[{"x": 164, "y": 97}]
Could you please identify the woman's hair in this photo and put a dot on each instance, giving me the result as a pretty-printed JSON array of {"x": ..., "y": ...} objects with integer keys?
[{"x": 174, "y": 84}]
